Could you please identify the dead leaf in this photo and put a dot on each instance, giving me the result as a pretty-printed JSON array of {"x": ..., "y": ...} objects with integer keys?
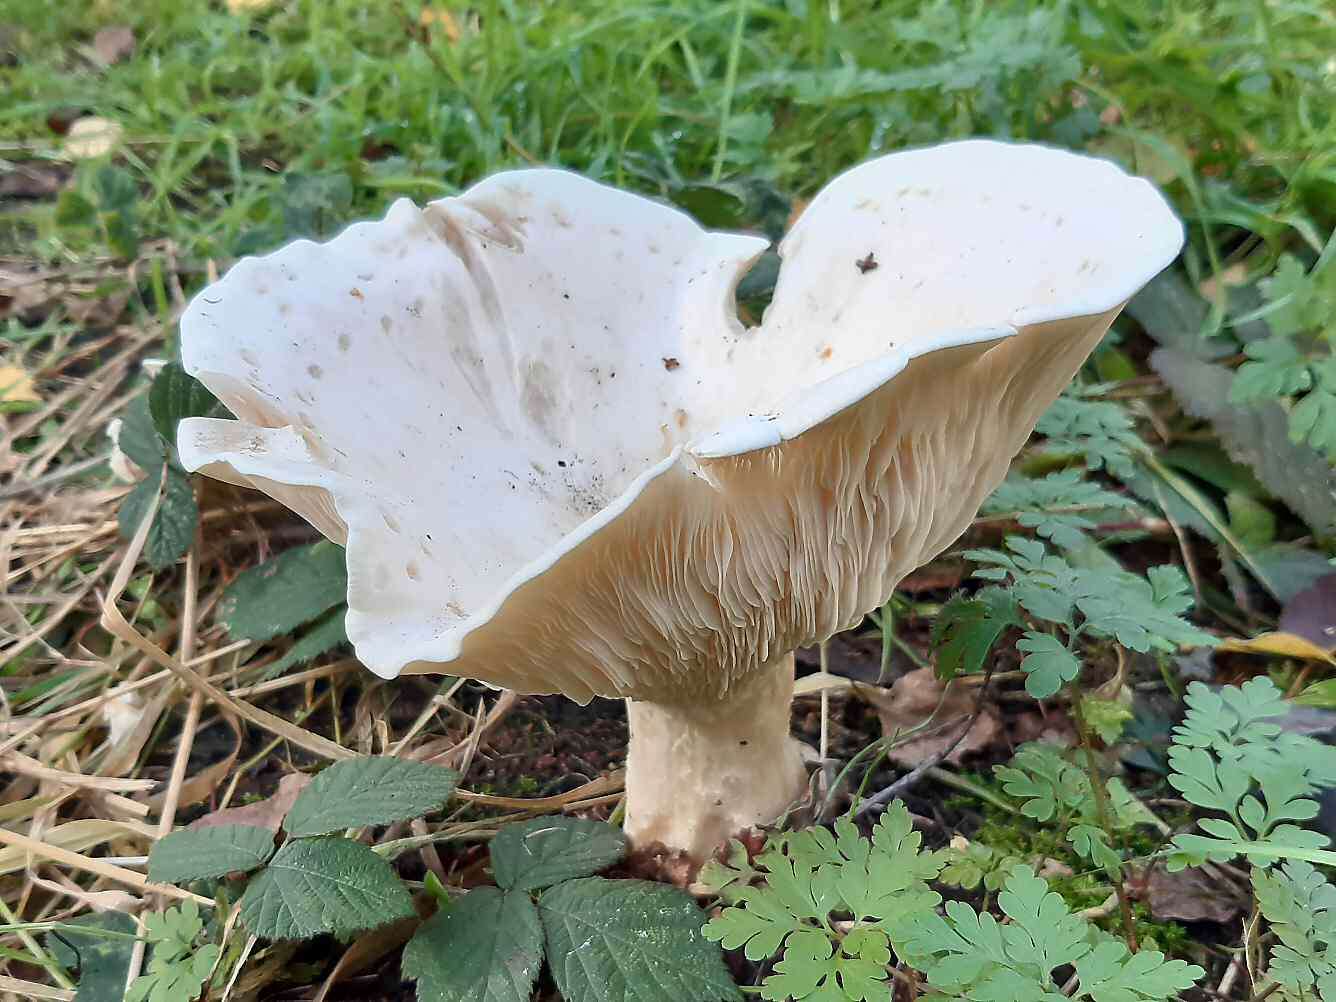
[
  {"x": 112, "y": 44},
  {"x": 1311, "y": 614},
  {"x": 16, "y": 386},
  {"x": 940, "y": 575},
  {"x": 92, "y": 137},
  {"x": 268, "y": 813},
  {"x": 248, "y": 6},
  {"x": 1284, "y": 645},
  {"x": 33, "y": 179},
  {"x": 1191, "y": 895},
  {"x": 372, "y": 946},
  {"x": 912, "y": 700},
  {"x": 449, "y": 26},
  {"x": 1048, "y": 725}
]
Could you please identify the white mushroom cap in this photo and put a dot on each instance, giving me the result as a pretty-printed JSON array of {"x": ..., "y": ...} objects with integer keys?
[{"x": 560, "y": 464}]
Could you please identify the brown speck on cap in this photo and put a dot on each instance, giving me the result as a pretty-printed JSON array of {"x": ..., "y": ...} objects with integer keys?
[
  {"x": 356, "y": 293},
  {"x": 670, "y": 364},
  {"x": 827, "y": 351},
  {"x": 866, "y": 264}
]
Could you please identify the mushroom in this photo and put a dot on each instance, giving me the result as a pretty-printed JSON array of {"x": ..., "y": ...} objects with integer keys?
[{"x": 559, "y": 463}]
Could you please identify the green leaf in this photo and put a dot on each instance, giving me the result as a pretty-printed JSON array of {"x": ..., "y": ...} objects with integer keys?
[
  {"x": 966, "y": 629},
  {"x": 485, "y": 947},
  {"x": 809, "y": 875},
  {"x": 327, "y": 633},
  {"x": 115, "y": 188},
  {"x": 1276, "y": 369},
  {"x": 1313, "y": 419},
  {"x": 1048, "y": 783},
  {"x": 139, "y": 440},
  {"x": 1047, "y": 663},
  {"x": 1058, "y": 506},
  {"x": 1256, "y": 435},
  {"x": 728, "y": 878},
  {"x": 317, "y": 885},
  {"x": 545, "y": 851},
  {"x": 630, "y": 941},
  {"x": 176, "y": 970},
  {"x": 1109, "y": 973},
  {"x": 74, "y": 209},
  {"x": 314, "y": 205},
  {"x": 1300, "y": 905},
  {"x": 175, "y": 395},
  {"x": 972, "y": 955},
  {"x": 1100, "y": 431},
  {"x": 203, "y": 853},
  {"x": 103, "y": 962},
  {"x": 173, "y": 528},
  {"x": 1106, "y": 717},
  {"x": 1251, "y": 522},
  {"x": 369, "y": 791},
  {"x": 295, "y": 587}
]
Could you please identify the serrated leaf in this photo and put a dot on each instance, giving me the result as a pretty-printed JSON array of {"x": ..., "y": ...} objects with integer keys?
[
  {"x": 545, "y": 851},
  {"x": 295, "y": 587},
  {"x": 966, "y": 629},
  {"x": 139, "y": 440},
  {"x": 203, "y": 853},
  {"x": 319, "y": 885},
  {"x": 174, "y": 395},
  {"x": 630, "y": 941},
  {"x": 324, "y": 635},
  {"x": 1256, "y": 435},
  {"x": 369, "y": 791},
  {"x": 485, "y": 947},
  {"x": 173, "y": 528}
]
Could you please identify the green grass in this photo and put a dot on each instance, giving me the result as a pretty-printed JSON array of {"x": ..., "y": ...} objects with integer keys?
[{"x": 1228, "y": 104}]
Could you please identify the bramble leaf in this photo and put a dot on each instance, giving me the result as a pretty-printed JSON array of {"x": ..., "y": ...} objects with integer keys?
[
  {"x": 546, "y": 851},
  {"x": 374, "y": 790},
  {"x": 630, "y": 940},
  {"x": 317, "y": 885},
  {"x": 174, "y": 395},
  {"x": 485, "y": 947},
  {"x": 295, "y": 587},
  {"x": 173, "y": 528},
  {"x": 202, "y": 853}
]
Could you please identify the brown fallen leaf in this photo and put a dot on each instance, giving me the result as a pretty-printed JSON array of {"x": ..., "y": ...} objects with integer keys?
[
  {"x": 268, "y": 813},
  {"x": 912, "y": 700},
  {"x": 431, "y": 16},
  {"x": 371, "y": 947},
  {"x": 1191, "y": 895},
  {"x": 16, "y": 386},
  {"x": 112, "y": 44},
  {"x": 1307, "y": 627},
  {"x": 1311, "y": 614}
]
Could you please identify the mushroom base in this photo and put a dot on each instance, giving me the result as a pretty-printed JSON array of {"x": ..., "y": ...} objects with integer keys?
[{"x": 697, "y": 775}]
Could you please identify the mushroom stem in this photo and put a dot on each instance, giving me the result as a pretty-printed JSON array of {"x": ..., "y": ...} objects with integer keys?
[{"x": 698, "y": 774}]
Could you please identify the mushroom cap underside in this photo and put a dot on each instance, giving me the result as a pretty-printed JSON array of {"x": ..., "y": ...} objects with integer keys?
[{"x": 560, "y": 464}]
